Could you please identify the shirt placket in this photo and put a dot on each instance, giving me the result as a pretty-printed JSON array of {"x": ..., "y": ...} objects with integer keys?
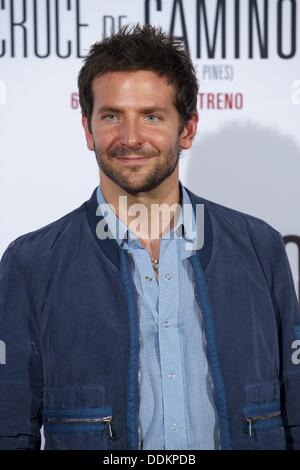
[{"x": 169, "y": 346}]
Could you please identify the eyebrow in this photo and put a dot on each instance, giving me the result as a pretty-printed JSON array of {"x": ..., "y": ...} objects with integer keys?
[{"x": 145, "y": 110}]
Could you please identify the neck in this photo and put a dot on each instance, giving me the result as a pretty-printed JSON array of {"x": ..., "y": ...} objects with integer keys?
[{"x": 157, "y": 213}]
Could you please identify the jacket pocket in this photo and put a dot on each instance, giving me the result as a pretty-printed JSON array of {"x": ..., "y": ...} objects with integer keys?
[
  {"x": 86, "y": 428},
  {"x": 77, "y": 417},
  {"x": 262, "y": 417}
]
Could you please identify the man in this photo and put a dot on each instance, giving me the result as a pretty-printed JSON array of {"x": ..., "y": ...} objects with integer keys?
[{"x": 122, "y": 331}]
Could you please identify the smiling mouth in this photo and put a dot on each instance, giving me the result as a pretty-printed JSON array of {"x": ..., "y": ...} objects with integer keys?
[{"x": 133, "y": 159}]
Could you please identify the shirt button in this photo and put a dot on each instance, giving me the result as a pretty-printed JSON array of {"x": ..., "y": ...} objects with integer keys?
[
  {"x": 175, "y": 427},
  {"x": 171, "y": 376},
  {"x": 148, "y": 278},
  {"x": 168, "y": 276},
  {"x": 166, "y": 324}
]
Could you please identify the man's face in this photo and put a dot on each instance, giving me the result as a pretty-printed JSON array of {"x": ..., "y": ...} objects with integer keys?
[{"x": 135, "y": 129}]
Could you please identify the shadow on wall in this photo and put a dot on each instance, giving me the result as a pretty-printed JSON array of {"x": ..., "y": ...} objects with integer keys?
[
  {"x": 253, "y": 169},
  {"x": 250, "y": 168}
]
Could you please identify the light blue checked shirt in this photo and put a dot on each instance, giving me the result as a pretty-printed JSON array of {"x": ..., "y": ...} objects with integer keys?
[{"x": 177, "y": 410}]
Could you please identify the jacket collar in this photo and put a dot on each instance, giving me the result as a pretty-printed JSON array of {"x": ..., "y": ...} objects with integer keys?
[{"x": 112, "y": 249}]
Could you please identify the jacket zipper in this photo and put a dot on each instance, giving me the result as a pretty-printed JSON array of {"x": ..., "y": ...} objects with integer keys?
[
  {"x": 210, "y": 379},
  {"x": 139, "y": 443},
  {"x": 106, "y": 420},
  {"x": 260, "y": 418}
]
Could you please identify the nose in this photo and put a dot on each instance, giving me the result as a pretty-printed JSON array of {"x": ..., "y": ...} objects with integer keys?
[{"x": 131, "y": 133}]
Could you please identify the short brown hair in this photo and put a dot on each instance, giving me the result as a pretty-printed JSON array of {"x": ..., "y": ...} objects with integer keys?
[{"x": 141, "y": 48}]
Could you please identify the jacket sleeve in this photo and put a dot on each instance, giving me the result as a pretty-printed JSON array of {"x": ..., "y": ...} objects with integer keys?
[
  {"x": 20, "y": 365},
  {"x": 286, "y": 304}
]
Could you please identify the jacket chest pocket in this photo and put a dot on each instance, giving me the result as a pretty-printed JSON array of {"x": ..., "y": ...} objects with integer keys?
[
  {"x": 88, "y": 428},
  {"x": 262, "y": 417}
]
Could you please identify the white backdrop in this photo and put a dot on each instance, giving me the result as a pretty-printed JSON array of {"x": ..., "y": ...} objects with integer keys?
[{"x": 247, "y": 157}]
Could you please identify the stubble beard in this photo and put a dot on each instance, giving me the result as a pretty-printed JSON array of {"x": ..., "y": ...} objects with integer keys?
[{"x": 133, "y": 185}]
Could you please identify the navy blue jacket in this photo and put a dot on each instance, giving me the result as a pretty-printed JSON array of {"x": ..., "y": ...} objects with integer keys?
[{"x": 69, "y": 335}]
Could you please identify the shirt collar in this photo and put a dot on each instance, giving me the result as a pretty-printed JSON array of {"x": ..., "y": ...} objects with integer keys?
[
  {"x": 122, "y": 233},
  {"x": 187, "y": 216},
  {"x": 116, "y": 227}
]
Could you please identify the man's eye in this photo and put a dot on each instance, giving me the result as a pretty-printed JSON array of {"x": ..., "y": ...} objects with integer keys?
[
  {"x": 152, "y": 117},
  {"x": 109, "y": 117}
]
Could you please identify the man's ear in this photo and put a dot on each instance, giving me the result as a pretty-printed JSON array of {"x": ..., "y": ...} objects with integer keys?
[
  {"x": 189, "y": 131},
  {"x": 88, "y": 135}
]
